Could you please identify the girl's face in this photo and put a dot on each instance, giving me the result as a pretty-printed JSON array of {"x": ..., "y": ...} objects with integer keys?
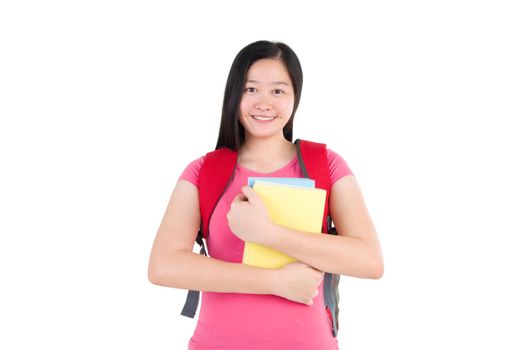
[{"x": 267, "y": 100}]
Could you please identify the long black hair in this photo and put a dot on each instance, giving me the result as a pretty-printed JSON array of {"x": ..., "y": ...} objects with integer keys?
[{"x": 232, "y": 132}]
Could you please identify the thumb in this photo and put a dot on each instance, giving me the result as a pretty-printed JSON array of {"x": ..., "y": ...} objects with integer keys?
[
  {"x": 239, "y": 198},
  {"x": 249, "y": 193}
]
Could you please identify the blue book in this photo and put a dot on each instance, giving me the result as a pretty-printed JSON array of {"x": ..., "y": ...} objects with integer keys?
[{"x": 289, "y": 181}]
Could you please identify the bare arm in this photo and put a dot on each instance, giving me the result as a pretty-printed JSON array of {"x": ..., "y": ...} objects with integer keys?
[
  {"x": 354, "y": 252},
  {"x": 173, "y": 264}
]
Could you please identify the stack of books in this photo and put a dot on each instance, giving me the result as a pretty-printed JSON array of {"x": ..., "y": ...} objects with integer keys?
[{"x": 291, "y": 202}]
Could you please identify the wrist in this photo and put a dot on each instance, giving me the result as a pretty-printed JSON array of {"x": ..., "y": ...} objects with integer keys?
[
  {"x": 271, "y": 234},
  {"x": 271, "y": 281}
]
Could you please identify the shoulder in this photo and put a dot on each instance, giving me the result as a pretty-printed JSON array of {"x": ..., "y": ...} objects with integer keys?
[
  {"x": 210, "y": 164},
  {"x": 191, "y": 172},
  {"x": 338, "y": 167}
]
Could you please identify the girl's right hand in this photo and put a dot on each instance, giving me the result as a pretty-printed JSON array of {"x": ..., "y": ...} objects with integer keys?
[{"x": 298, "y": 282}]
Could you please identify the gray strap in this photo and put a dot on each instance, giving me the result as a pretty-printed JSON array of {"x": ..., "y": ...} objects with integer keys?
[
  {"x": 331, "y": 288},
  {"x": 331, "y": 298},
  {"x": 191, "y": 304}
]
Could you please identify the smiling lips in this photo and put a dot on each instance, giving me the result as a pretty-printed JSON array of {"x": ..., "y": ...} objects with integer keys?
[{"x": 263, "y": 118}]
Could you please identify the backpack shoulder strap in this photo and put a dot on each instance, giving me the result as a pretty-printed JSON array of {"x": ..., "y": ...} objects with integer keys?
[
  {"x": 214, "y": 176},
  {"x": 313, "y": 160}
]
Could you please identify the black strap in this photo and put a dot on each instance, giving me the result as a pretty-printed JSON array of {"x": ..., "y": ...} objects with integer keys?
[
  {"x": 300, "y": 159},
  {"x": 192, "y": 301},
  {"x": 191, "y": 304},
  {"x": 199, "y": 240}
]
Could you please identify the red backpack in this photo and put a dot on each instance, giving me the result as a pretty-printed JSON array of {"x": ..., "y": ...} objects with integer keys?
[{"x": 215, "y": 174}]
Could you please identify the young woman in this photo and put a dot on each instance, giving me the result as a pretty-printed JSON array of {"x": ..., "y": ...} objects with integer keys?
[{"x": 245, "y": 307}]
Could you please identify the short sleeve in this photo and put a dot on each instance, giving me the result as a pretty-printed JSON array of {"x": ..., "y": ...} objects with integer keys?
[
  {"x": 191, "y": 172},
  {"x": 337, "y": 167}
]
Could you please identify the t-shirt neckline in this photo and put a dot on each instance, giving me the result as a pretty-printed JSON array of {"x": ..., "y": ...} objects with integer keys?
[{"x": 288, "y": 165}]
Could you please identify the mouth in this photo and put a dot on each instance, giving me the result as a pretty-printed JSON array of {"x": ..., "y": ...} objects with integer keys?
[{"x": 263, "y": 118}]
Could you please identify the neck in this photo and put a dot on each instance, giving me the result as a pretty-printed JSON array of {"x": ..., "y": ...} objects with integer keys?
[{"x": 266, "y": 151}]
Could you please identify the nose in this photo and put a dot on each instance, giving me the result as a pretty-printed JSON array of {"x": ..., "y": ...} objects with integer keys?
[{"x": 263, "y": 103}]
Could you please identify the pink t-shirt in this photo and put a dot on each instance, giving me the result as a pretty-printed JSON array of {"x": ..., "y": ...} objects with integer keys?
[{"x": 235, "y": 321}]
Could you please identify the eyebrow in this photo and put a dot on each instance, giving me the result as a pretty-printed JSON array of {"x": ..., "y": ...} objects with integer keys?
[{"x": 274, "y": 82}]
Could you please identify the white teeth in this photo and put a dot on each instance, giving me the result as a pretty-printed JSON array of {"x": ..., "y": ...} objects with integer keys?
[{"x": 262, "y": 118}]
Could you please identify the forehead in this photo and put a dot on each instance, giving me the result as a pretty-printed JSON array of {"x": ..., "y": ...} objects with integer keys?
[{"x": 268, "y": 70}]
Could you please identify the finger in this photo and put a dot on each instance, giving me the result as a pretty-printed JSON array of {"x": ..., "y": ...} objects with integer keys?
[
  {"x": 249, "y": 193},
  {"x": 239, "y": 198}
]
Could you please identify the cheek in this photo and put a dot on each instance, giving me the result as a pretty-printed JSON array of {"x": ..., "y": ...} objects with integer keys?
[
  {"x": 286, "y": 107},
  {"x": 244, "y": 106}
]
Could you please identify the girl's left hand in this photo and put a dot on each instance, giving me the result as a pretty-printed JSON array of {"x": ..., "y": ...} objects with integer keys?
[{"x": 248, "y": 218}]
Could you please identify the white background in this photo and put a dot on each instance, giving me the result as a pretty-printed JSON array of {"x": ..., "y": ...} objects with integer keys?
[{"x": 103, "y": 103}]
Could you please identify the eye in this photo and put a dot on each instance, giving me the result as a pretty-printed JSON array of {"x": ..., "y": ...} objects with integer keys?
[
  {"x": 278, "y": 92},
  {"x": 250, "y": 90}
]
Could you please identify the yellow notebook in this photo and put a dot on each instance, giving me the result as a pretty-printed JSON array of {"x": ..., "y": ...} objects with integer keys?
[{"x": 295, "y": 207}]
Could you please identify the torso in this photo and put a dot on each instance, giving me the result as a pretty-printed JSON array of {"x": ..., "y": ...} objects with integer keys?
[{"x": 250, "y": 321}]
